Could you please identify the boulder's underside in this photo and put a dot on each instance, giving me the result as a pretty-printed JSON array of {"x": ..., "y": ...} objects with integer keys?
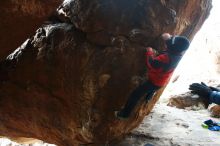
[{"x": 63, "y": 84}]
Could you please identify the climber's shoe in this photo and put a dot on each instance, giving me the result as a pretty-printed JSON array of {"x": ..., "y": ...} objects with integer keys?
[{"x": 120, "y": 116}]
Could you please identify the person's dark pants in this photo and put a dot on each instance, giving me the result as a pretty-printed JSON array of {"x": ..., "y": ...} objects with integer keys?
[{"x": 146, "y": 88}]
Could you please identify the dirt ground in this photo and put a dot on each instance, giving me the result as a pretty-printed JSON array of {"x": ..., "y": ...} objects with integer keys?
[{"x": 169, "y": 126}]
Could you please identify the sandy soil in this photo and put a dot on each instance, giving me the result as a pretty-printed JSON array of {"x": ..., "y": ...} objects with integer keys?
[{"x": 169, "y": 126}]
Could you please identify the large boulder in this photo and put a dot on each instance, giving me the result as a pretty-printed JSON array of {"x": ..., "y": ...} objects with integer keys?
[
  {"x": 20, "y": 19},
  {"x": 63, "y": 84}
]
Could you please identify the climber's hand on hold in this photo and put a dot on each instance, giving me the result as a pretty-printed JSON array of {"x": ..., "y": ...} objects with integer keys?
[
  {"x": 166, "y": 36},
  {"x": 149, "y": 49}
]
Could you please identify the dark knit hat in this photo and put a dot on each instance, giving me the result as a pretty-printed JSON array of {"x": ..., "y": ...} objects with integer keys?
[{"x": 177, "y": 44}]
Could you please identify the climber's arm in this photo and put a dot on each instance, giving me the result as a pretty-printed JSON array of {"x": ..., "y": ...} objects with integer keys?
[{"x": 155, "y": 62}]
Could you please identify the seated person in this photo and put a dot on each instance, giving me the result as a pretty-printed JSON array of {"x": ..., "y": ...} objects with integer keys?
[{"x": 209, "y": 93}]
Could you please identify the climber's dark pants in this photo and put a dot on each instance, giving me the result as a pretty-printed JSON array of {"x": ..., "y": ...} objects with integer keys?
[{"x": 147, "y": 89}]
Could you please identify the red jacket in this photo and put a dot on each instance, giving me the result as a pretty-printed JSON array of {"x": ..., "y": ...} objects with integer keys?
[{"x": 161, "y": 67}]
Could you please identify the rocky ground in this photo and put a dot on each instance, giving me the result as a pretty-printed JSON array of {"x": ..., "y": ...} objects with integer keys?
[{"x": 169, "y": 126}]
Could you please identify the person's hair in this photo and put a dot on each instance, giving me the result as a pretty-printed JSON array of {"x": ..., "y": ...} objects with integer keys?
[{"x": 177, "y": 44}]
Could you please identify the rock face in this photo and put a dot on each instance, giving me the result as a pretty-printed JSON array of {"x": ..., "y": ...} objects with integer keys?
[
  {"x": 215, "y": 111},
  {"x": 187, "y": 100},
  {"x": 63, "y": 84},
  {"x": 20, "y": 19}
]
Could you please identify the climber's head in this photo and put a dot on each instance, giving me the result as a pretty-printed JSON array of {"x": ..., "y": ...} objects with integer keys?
[{"x": 177, "y": 44}]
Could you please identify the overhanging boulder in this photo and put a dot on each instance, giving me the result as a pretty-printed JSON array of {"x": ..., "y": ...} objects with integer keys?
[
  {"x": 20, "y": 19},
  {"x": 63, "y": 84}
]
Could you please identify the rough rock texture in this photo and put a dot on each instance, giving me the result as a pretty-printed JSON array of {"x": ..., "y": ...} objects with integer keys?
[
  {"x": 64, "y": 83},
  {"x": 20, "y": 19},
  {"x": 187, "y": 100},
  {"x": 215, "y": 111}
]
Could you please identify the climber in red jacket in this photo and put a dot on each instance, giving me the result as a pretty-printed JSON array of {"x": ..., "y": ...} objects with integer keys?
[{"x": 160, "y": 69}]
